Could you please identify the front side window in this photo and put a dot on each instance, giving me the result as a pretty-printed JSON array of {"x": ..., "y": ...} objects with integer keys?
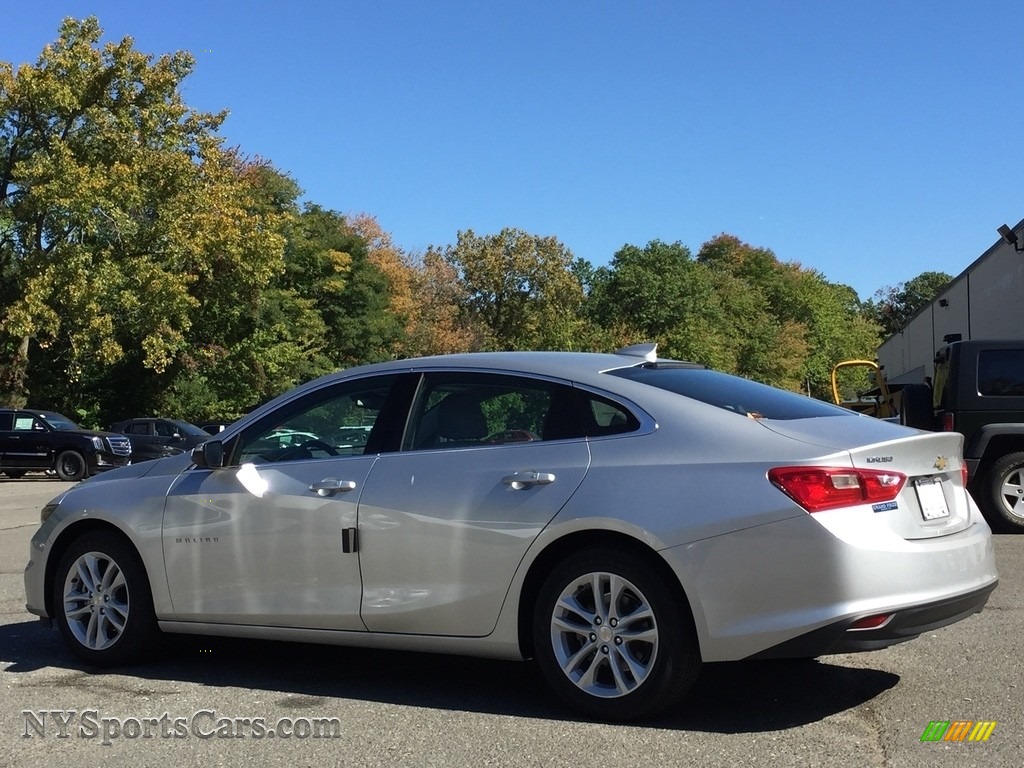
[
  {"x": 335, "y": 421},
  {"x": 460, "y": 410}
]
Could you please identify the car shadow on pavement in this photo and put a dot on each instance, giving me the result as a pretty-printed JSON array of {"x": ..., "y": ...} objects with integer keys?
[{"x": 739, "y": 697}]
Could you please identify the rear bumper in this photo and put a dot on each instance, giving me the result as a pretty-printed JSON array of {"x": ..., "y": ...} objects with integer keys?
[
  {"x": 794, "y": 588},
  {"x": 904, "y": 624}
]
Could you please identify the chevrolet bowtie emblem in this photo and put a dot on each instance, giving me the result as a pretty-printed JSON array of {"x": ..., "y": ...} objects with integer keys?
[{"x": 940, "y": 463}]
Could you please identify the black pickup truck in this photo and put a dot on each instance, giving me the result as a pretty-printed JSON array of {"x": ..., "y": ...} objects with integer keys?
[
  {"x": 37, "y": 441},
  {"x": 979, "y": 392}
]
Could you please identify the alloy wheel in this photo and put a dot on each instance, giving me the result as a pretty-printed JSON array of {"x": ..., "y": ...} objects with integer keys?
[{"x": 604, "y": 634}]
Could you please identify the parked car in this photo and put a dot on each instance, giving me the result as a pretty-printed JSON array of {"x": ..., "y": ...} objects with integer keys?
[
  {"x": 665, "y": 516},
  {"x": 156, "y": 438},
  {"x": 44, "y": 441}
]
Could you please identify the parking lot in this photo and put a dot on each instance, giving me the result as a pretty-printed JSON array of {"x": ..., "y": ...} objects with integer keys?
[{"x": 220, "y": 702}]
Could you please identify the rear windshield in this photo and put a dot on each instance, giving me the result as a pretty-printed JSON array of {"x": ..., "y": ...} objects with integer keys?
[{"x": 732, "y": 393}]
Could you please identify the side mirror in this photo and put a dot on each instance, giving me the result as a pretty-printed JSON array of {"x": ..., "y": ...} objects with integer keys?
[{"x": 209, "y": 455}]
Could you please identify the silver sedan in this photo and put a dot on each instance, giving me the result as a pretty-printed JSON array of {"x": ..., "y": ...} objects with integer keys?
[{"x": 618, "y": 518}]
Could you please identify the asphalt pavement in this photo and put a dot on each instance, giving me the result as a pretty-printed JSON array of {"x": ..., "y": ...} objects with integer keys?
[{"x": 214, "y": 702}]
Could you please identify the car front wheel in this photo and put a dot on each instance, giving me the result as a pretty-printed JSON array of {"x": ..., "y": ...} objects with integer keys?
[
  {"x": 611, "y": 638},
  {"x": 1005, "y": 490},
  {"x": 102, "y": 601},
  {"x": 70, "y": 466}
]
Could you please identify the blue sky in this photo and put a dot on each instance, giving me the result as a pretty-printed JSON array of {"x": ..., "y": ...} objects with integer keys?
[{"x": 869, "y": 140}]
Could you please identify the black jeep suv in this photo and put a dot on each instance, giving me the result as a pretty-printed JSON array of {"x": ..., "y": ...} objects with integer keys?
[
  {"x": 979, "y": 392},
  {"x": 36, "y": 441}
]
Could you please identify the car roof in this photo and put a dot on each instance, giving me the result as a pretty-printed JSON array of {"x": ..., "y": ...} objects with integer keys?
[{"x": 575, "y": 366}]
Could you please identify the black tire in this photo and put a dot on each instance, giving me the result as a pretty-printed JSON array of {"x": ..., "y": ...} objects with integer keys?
[
  {"x": 1003, "y": 491},
  {"x": 70, "y": 465},
  {"x": 15, "y": 474},
  {"x": 916, "y": 407},
  {"x": 111, "y": 621},
  {"x": 579, "y": 651}
]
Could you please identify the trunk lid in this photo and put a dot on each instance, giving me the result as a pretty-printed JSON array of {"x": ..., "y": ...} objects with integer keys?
[{"x": 932, "y": 503}]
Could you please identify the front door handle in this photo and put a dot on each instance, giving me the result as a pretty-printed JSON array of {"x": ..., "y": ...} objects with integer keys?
[
  {"x": 330, "y": 486},
  {"x": 521, "y": 480}
]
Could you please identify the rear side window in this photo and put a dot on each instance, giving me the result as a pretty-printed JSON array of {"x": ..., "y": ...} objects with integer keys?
[
  {"x": 605, "y": 417},
  {"x": 731, "y": 393},
  {"x": 470, "y": 409},
  {"x": 1001, "y": 373}
]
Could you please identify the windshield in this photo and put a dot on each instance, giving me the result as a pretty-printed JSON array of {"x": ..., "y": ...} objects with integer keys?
[
  {"x": 732, "y": 393},
  {"x": 57, "y": 421}
]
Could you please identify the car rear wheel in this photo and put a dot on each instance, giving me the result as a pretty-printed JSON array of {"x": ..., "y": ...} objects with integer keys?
[
  {"x": 611, "y": 638},
  {"x": 102, "y": 601},
  {"x": 1005, "y": 490},
  {"x": 70, "y": 466},
  {"x": 15, "y": 474}
]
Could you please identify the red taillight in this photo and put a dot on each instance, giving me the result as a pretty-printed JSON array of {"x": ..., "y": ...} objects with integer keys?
[
  {"x": 964, "y": 473},
  {"x": 947, "y": 422},
  {"x": 820, "y": 488}
]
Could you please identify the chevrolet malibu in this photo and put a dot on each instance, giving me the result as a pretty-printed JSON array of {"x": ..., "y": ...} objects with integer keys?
[{"x": 661, "y": 515}]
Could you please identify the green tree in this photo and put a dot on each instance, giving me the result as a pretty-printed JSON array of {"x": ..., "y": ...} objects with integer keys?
[
  {"x": 330, "y": 263},
  {"x": 521, "y": 288},
  {"x": 120, "y": 212},
  {"x": 892, "y": 306},
  {"x": 788, "y": 324}
]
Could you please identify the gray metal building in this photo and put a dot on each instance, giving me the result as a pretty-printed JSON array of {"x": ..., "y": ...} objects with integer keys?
[{"x": 986, "y": 301}]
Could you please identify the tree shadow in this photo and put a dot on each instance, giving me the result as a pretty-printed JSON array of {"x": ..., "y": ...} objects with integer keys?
[{"x": 738, "y": 697}]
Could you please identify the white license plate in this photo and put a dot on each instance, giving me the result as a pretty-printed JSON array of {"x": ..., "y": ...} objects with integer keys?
[{"x": 931, "y": 498}]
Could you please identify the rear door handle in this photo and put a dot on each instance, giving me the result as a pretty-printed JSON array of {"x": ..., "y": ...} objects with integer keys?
[
  {"x": 330, "y": 486},
  {"x": 521, "y": 480}
]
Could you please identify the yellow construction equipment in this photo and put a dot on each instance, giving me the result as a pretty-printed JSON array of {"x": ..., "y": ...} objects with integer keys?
[{"x": 878, "y": 401}]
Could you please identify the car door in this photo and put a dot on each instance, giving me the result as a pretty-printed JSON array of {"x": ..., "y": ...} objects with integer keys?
[
  {"x": 27, "y": 444},
  {"x": 145, "y": 443},
  {"x": 6, "y": 427},
  {"x": 487, "y": 461},
  {"x": 270, "y": 539}
]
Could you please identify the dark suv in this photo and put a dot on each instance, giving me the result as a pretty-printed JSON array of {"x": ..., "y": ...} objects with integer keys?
[
  {"x": 155, "y": 438},
  {"x": 979, "y": 392},
  {"x": 36, "y": 441}
]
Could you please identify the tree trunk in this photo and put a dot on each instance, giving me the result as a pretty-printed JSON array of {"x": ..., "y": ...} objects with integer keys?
[{"x": 14, "y": 375}]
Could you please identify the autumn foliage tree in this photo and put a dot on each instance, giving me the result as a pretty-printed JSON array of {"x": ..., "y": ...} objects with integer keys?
[{"x": 120, "y": 211}]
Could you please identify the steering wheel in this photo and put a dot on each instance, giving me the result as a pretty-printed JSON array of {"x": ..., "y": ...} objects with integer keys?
[{"x": 314, "y": 444}]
